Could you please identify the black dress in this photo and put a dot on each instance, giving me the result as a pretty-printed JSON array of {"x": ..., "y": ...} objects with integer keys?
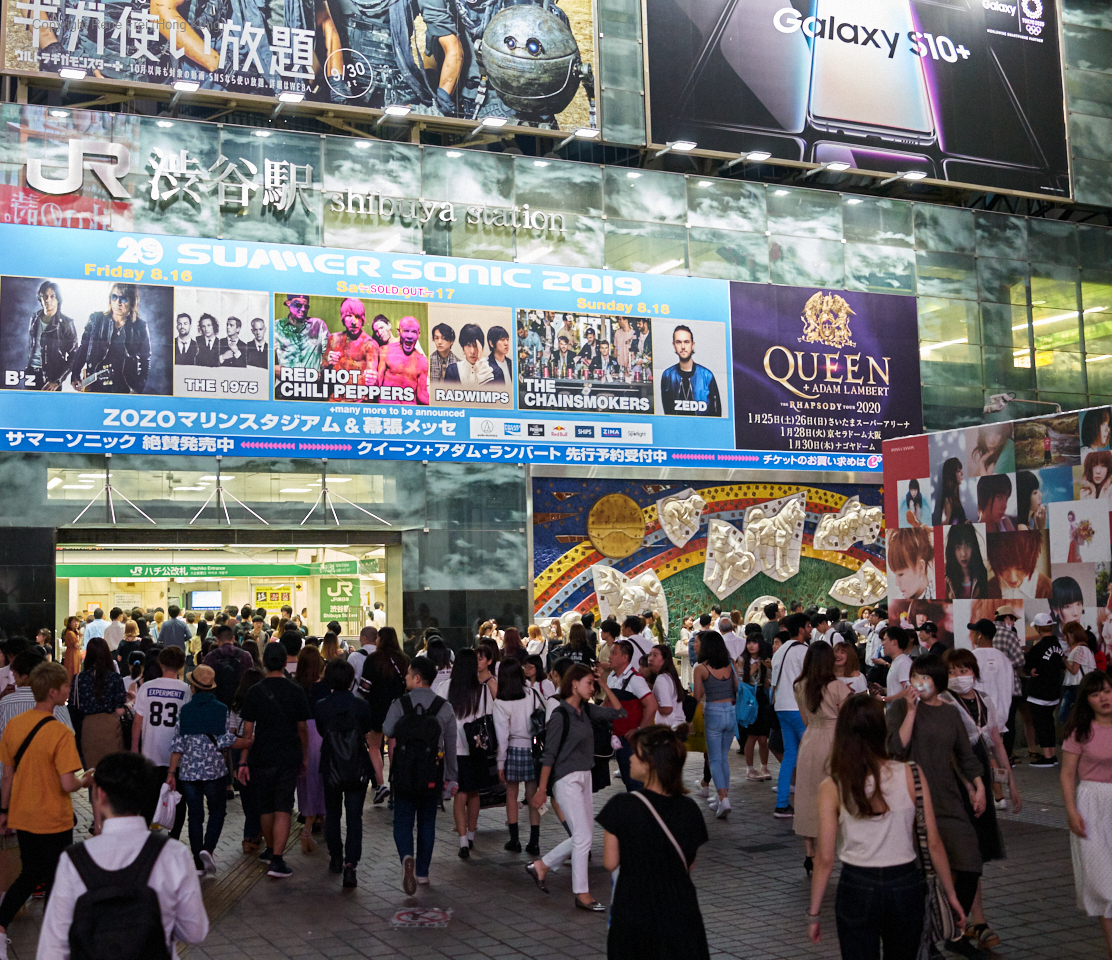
[{"x": 655, "y": 911}]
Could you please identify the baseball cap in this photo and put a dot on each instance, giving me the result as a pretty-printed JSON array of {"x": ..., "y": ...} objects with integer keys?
[
  {"x": 1042, "y": 620},
  {"x": 1006, "y": 611},
  {"x": 985, "y": 627},
  {"x": 927, "y": 627}
]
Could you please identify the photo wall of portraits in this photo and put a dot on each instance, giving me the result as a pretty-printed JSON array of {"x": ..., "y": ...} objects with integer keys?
[{"x": 1013, "y": 513}]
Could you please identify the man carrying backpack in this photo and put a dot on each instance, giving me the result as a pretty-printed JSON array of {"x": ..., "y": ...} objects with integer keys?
[
  {"x": 128, "y": 893},
  {"x": 421, "y": 726},
  {"x": 40, "y": 760},
  {"x": 345, "y": 725},
  {"x": 229, "y": 663}
]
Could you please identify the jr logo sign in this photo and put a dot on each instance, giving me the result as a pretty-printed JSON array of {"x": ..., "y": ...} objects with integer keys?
[{"x": 339, "y": 599}]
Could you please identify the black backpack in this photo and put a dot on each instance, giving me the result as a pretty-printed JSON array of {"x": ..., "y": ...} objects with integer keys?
[
  {"x": 118, "y": 917},
  {"x": 229, "y": 672},
  {"x": 345, "y": 763},
  {"x": 416, "y": 769},
  {"x": 538, "y": 721}
]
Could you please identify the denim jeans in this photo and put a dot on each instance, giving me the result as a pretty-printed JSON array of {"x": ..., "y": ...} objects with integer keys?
[
  {"x": 406, "y": 810},
  {"x": 335, "y": 801},
  {"x": 195, "y": 793},
  {"x": 1069, "y": 698},
  {"x": 876, "y": 904},
  {"x": 622, "y": 755},
  {"x": 720, "y": 725},
  {"x": 791, "y": 723}
]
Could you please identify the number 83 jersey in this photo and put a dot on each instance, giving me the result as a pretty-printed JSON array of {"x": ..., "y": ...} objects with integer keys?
[{"x": 158, "y": 705}]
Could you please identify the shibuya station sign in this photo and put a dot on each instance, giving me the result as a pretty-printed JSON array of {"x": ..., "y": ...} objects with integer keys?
[
  {"x": 143, "y": 343},
  {"x": 170, "y": 174}
]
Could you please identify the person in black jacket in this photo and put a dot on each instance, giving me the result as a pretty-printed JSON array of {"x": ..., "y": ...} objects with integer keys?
[
  {"x": 116, "y": 343},
  {"x": 51, "y": 341},
  {"x": 1045, "y": 664}
]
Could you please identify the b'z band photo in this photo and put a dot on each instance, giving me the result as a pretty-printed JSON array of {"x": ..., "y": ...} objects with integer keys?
[
  {"x": 348, "y": 349},
  {"x": 221, "y": 344},
  {"x": 95, "y": 336}
]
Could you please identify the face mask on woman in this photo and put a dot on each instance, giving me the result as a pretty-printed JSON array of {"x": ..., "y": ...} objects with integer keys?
[{"x": 961, "y": 684}]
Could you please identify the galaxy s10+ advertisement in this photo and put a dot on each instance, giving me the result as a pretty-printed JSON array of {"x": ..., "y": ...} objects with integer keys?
[{"x": 962, "y": 90}]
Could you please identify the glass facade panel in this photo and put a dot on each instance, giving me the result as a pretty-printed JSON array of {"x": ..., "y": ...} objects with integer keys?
[
  {"x": 950, "y": 364},
  {"x": 646, "y": 195},
  {"x": 727, "y": 254},
  {"x": 871, "y": 220},
  {"x": 646, "y": 248},
  {"x": 804, "y": 213},
  {"x": 796, "y": 261},
  {"x": 1002, "y": 281},
  {"x": 941, "y": 320},
  {"x": 1059, "y": 371},
  {"x": 879, "y": 269}
]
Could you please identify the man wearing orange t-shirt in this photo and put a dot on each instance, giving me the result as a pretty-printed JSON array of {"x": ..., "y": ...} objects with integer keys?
[{"x": 40, "y": 760}]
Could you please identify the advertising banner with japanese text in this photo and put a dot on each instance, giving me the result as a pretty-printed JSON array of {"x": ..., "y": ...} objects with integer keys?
[
  {"x": 531, "y": 63},
  {"x": 141, "y": 343},
  {"x": 819, "y": 367}
]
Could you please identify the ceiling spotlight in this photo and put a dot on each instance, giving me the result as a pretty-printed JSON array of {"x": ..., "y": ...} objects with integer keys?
[
  {"x": 833, "y": 166},
  {"x": 69, "y": 73},
  {"x": 59, "y": 114},
  {"x": 262, "y": 133},
  {"x": 394, "y": 111},
  {"x": 853, "y": 201},
  {"x": 487, "y": 123},
  {"x": 678, "y": 146},
  {"x": 753, "y": 156},
  {"x": 291, "y": 96},
  {"x": 186, "y": 86},
  {"x": 911, "y": 175},
  {"x": 581, "y": 133},
  {"x": 453, "y": 154}
]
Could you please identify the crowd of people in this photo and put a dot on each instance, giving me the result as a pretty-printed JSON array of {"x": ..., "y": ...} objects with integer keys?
[{"x": 885, "y": 737}]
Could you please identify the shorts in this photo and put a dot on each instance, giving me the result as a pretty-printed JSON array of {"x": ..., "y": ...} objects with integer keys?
[{"x": 275, "y": 787}]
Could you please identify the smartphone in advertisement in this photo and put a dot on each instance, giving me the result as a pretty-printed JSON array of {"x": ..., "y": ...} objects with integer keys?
[{"x": 864, "y": 85}]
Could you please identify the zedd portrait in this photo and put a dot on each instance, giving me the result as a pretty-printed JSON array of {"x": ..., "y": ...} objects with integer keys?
[{"x": 688, "y": 388}]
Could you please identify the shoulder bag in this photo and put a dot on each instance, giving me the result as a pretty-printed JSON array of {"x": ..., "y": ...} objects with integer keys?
[
  {"x": 663, "y": 826},
  {"x": 938, "y": 919}
]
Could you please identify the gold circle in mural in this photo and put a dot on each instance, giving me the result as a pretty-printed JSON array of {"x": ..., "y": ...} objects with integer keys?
[{"x": 616, "y": 526}]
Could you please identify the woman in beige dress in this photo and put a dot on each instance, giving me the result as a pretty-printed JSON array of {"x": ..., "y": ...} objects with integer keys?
[{"x": 820, "y": 695}]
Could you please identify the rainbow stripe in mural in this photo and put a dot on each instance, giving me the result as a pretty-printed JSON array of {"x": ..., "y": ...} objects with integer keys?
[{"x": 564, "y": 555}]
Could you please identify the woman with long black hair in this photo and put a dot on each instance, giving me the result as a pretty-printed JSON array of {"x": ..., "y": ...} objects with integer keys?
[
  {"x": 381, "y": 683},
  {"x": 948, "y": 509},
  {"x": 471, "y": 699},
  {"x": 966, "y": 573},
  {"x": 871, "y": 800},
  {"x": 103, "y": 700}
]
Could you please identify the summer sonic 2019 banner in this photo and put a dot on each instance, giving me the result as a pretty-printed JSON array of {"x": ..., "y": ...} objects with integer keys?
[{"x": 822, "y": 369}]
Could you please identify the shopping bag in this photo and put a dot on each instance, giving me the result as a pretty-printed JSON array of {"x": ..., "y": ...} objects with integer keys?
[{"x": 168, "y": 800}]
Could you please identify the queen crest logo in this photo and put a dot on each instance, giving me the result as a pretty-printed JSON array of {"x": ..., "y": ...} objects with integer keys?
[{"x": 826, "y": 321}]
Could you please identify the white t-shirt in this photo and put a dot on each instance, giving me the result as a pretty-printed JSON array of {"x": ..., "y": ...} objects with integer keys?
[
  {"x": 856, "y": 684},
  {"x": 631, "y": 682},
  {"x": 899, "y": 674},
  {"x": 546, "y": 688},
  {"x": 1083, "y": 655},
  {"x": 159, "y": 703},
  {"x": 664, "y": 689},
  {"x": 997, "y": 680},
  {"x": 787, "y": 665},
  {"x": 113, "y": 634},
  {"x": 641, "y": 648}
]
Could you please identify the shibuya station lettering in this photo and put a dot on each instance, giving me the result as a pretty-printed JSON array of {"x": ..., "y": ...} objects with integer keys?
[{"x": 386, "y": 208}]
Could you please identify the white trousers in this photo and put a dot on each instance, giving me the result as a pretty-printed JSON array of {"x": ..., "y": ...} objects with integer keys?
[{"x": 573, "y": 793}]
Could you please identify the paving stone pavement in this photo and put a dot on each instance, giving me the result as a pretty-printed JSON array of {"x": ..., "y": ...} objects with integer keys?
[{"x": 752, "y": 891}]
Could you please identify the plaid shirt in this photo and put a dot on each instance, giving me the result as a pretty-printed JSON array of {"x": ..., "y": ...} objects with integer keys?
[
  {"x": 438, "y": 365},
  {"x": 1007, "y": 642}
]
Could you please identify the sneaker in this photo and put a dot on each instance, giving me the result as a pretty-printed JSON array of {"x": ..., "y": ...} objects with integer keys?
[
  {"x": 266, "y": 856},
  {"x": 752, "y": 774},
  {"x": 723, "y": 808},
  {"x": 279, "y": 869},
  {"x": 712, "y": 802},
  {"x": 381, "y": 793},
  {"x": 766, "y": 774},
  {"x": 783, "y": 813},
  {"x": 1002, "y": 804},
  {"x": 1045, "y": 762},
  {"x": 409, "y": 876},
  {"x": 350, "y": 879},
  {"x": 336, "y": 865},
  {"x": 209, "y": 863},
  {"x": 702, "y": 789}
]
